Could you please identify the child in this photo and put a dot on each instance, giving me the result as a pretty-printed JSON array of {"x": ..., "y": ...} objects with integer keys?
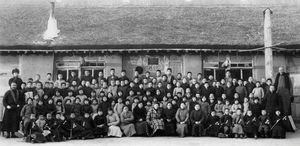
[
  {"x": 75, "y": 127},
  {"x": 59, "y": 107},
  {"x": 77, "y": 108},
  {"x": 69, "y": 97},
  {"x": 250, "y": 125},
  {"x": 68, "y": 108},
  {"x": 40, "y": 108},
  {"x": 88, "y": 127},
  {"x": 26, "y": 113},
  {"x": 219, "y": 108},
  {"x": 94, "y": 106},
  {"x": 227, "y": 106},
  {"x": 57, "y": 97},
  {"x": 50, "y": 107},
  {"x": 236, "y": 105},
  {"x": 278, "y": 129},
  {"x": 35, "y": 135},
  {"x": 81, "y": 96},
  {"x": 246, "y": 105},
  {"x": 113, "y": 121},
  {"x": 258, "y": 91},
  {"x": 226, "y": 123},
  {"x": 238, "y": 123},
  {"x": 264, "y": 124},
  {"x": 213, "y": 125},
  {"x": 100, "y": 123},
  {"x": 118, "y": 108},
  {"x": 205, "y": 106},
  {"x": 256, "y": 107},
  {"x": 86, "y": 108}
]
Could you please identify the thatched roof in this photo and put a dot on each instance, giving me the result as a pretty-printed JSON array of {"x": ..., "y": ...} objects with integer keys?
[{"x": 212, "y": 26}]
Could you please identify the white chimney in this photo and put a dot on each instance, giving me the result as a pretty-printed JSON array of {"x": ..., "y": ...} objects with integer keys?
[{"x": 52, "y": 30}]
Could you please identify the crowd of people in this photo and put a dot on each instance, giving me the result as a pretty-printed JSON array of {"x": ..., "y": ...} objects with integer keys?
[{"x": 161, "y": 105}]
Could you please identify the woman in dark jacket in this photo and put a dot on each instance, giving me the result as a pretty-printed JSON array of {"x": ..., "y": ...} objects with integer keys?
[
  {"x": 169, "y": 120},
  {"x": 140, "y": 113}
]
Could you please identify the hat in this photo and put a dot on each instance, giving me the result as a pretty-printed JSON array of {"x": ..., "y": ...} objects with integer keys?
[{"x": 15, "y": 71}]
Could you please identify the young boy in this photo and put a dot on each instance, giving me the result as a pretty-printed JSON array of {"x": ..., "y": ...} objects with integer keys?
[
  {"x": 238, "y": 123},
  {"x": 250, "y": 125},
  {"x": 26, "y": 113},
  {"x": 226, "y": 123},
  {"x": 213, "y": 123},
  {"x": 264, "y": 124}
]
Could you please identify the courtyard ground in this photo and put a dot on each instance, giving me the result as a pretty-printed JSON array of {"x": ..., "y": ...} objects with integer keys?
[{"x": 293, "y": 139}]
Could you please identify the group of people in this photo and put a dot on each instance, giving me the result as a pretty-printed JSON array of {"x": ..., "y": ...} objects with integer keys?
[{"x": 162, "y": 105}]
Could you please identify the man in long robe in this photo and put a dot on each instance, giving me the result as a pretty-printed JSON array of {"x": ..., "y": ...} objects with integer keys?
[{"x": 11, "y": 103}]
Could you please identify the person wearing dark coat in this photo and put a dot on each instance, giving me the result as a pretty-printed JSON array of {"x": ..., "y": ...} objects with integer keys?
[
  {"x": 169, "y": 120},
  {"x": 250, "y": 125},
  {"x": 250, "y": 85},
  {"x": 283, "y": 87},
  {"x": 278, "y": 129},
  {"x": 104, "y": 105},
  {"x": 88, "y": 126},
  {"x": 41, "y": 109},
  {"x": 229, "y": 91},
  {"x": 15, "y": 79},
  {"x": 218, "y": 91},
  {"x": 256, "y": 107},
  {"x": 11, "y": 116},
  {"x": 139, "y": 114},
  {"x": 86, "y": 108},
  {"x": 213, "y": 125},
  {"x": 226, "y": 124},
  {"x": 206, "y": 90},
  {"x": 197, "y": 118},
  {"x": 271, "y": 101},
  {"x": 100, "y": 123},
  {"x": 264, "y": 122}
]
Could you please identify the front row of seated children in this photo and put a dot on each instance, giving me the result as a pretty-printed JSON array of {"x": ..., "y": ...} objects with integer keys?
[{"x": 65, "y": 127}]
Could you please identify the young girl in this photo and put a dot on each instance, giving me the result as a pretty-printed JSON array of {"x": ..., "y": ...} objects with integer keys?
[
  {"x": 258, "y": 91},
  {"x": 113, "y": 121},
  {"x": 219, "y": 108},
  {"x": 227, "y": 106},
  {"x": 250, "y": 125},
  {"x": 100, "y": 123},
  {"x": 235, "y": 106}
]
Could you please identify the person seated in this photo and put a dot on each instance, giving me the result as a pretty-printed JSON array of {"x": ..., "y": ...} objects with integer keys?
[
  {"x": 88, "y": 126},
  {"x": 250, "y": 125},
  {"x": 169, "y": 120},
  {"x": 127, "y": 125},
  {"x": 139, "y": 113},
  {"x": 113, "y": 122},
  {"x": 226, "y": 124},
  {"x": 238, "y": 123},
  {"x": 213, "y": 123},
  {"x": 182, "y": 116},
  {"x": 101, "y": 124},
  {"x": 278, "y": 130},
  {"x": 26, "y": 113},
  {"x": 155, "y": 120},
  {"x": 197, "y": 118},
  {"x": 264, "y": 122}
]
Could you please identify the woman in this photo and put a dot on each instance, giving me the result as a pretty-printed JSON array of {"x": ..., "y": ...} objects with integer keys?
[
  {"x": 169, "y": 120},
  {"x": 139, "y": 113},
  {"x": 182, "y": 116},
  {"x": 154, "y": 119},
  {"x": 127, "y": 125},
  {"x": 100, "y": 123},
  {"x": 113, "y": 121}
]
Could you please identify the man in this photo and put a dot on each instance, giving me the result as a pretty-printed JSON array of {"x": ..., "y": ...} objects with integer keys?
[
  {"x": 283, "y": 88},
  {"x": 49, "y": 78},
  {"x": 112, "y": 76},
  {"x": 170, "y": 77},
  {"x": 250, "y": 85},
  {"x": 271, "y": 101},
  {"x": 87, "y": 76},
  {"x": 11, "y": 103},
  {"x": 74, "y": 77},
  {"x": 123, "y": 76},
  {"x": 15, "y": 72}
]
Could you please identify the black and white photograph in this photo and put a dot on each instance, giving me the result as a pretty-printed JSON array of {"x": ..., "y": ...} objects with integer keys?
[{"x": 150, "y": 72}]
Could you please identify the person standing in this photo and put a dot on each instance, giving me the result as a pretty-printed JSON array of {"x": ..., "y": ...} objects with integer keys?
[
  {"x": 283, "y": 88},
  {"x": 11, "y": 103},
  {"x": 15, "y": 72}
]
